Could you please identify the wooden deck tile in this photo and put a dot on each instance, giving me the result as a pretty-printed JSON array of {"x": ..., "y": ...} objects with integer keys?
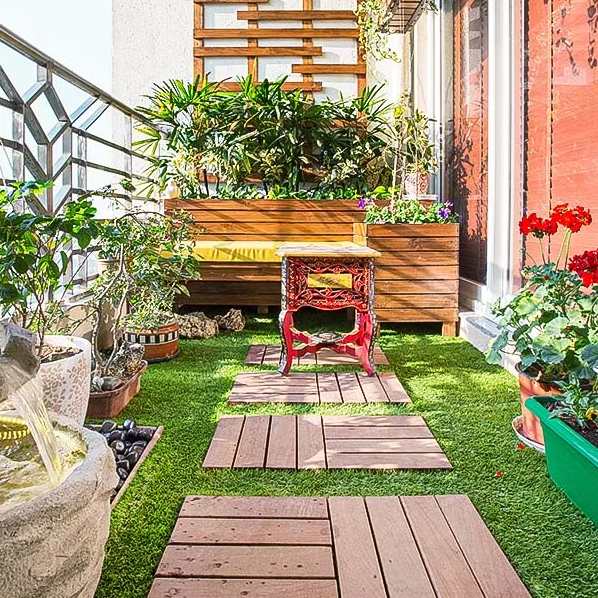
[
  {"x": 270, "y": 355},
  {"x": 329, "y": 442},
  {"x": 341, "y": 547},
  {"x": 321, "y": 387}
]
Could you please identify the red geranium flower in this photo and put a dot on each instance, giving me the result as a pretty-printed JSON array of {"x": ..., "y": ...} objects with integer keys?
[
  {"x": 571, "y": 218},
  {"x": 586, "y": 266},
  {"x": 539, "y": 227}
]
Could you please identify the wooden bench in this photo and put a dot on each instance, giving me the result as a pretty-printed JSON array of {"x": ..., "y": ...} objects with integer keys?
[
  {"x": 417, "y": 277},
  {"x": 258, "y": 283}
]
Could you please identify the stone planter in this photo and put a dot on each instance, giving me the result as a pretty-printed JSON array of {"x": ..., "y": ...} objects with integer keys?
[
  {"x": 572, "y": 461},
  {"x": 110, "y": 403},
  {"x": 417, "y": 275},
  {"x": 67, "y": 381},
  {"x": 160, "y": 345},
  {"x": 53, "y": 545}
]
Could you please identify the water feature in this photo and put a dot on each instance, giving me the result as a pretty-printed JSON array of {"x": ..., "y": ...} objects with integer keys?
[
  {"x": 23, "y": 416},
  {"x": 55, "y": 486}
]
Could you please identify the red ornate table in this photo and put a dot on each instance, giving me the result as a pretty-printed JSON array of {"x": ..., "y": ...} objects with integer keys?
[{"x": 328, "y": 276}]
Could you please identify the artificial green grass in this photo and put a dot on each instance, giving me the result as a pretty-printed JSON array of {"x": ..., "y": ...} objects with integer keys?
[{"x": 467, "y": 404}]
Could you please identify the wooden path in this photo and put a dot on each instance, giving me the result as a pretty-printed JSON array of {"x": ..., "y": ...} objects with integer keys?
[
  {"x": 341, "y": 547},
  {"x": 324, "y": 442},
  {"x": 320, "y": 387},
  {"x": 270, "y": 355}
]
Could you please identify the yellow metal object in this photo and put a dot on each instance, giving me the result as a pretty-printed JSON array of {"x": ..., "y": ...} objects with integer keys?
[
  {"x": 330, "y": 281},
  {"x": 12, "y": 429}
]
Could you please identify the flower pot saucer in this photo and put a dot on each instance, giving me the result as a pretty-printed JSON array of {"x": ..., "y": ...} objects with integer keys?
[{"x": 517, "y": 425}]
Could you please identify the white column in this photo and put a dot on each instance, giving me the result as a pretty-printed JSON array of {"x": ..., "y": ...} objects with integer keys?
[{"x": 500, "y": 150}]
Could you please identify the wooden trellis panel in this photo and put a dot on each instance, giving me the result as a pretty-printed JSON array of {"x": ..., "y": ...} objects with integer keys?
[{"x": 253, "y": 34}]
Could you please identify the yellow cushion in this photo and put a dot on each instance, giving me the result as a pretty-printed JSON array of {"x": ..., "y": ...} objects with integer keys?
[{"x": 247, "y": 251}]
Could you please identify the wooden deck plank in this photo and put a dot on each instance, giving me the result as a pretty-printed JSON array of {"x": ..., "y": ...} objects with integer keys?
[
  {"x": 375, "y": 445},
  {"x": 350, "y": 388},
  {"x": 388, "y": 461},
  {"x": 379, "y": 432},
  {"x": 404, "y": 572},
  {"x": 372, "y": 388},
  {"x": 255, "y": 355},
  {"x": 279, "y": 507},
  {"x": 328, "y": 388},
  {"x": 491, "y": 568},
  {"x": 310, "y": 442},
  {"x": 373, "y": 420},
  {"x": 359, "y": 574},
  {"x": 271, "y": 356},
  {"x": 168, "y": 587},
  {"x": 257, "y": 397},
  {"x": 251, "y": 451},
  {"x": 282, "y": 445},
  {"x": 288, "y": 562},
  {"x": 393, "y": 388},
  {"x": 223, "y": 447},
  {"x": 216, "y": 530},
  {"x": 343, "y": 547},
  {"x": 447, "y": 567}
]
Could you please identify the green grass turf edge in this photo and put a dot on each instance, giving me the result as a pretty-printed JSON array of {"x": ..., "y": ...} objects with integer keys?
[{"x": 467, "y": 404}]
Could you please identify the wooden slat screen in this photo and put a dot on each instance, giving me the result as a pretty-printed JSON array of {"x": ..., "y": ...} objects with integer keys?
[{"x": 254, "y": 33}]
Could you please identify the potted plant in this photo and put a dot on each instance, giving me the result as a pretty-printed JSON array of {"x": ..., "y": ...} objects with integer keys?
[
  {"x": 159, "y": 260},
  {"x": 552, "y": 320},
  {"x": 36, "y": 275},
  {"x": 416, "y": 154},
  {"x": 417, "y": 276},
  {"x": 571, "y": 440}
]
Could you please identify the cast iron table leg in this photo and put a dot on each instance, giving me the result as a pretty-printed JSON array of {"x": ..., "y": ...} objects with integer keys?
[{"x": 285, "y": 322}]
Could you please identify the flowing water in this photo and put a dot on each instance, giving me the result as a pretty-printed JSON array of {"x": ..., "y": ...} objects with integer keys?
[
  {"x": 38, "y": 462},
  {"x": 27, "y": 396}
]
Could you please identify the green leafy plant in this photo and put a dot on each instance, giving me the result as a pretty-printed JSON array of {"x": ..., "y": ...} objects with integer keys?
[
  {"x": 552, "y": 321},
  {"x": 404, "y": 211},
  {"x": 577, "y": 405},
  {"x": 36, "y": 271},
  {"x": 262, "y": 140}
]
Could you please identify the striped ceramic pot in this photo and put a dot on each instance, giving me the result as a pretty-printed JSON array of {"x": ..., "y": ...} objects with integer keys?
[{"x": 161, "y": 344}]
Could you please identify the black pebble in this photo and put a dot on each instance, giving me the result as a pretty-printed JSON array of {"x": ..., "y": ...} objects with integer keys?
[
  {"x": 128, "y": 424},
  {"x": 108, "y": 426},
  {"x": 145, "y": 434},
  {"x": 123, "y": 474},
  {"x": 123, "y": 464},
  {"x": 118, "y": 446},
  {"x": 116, "y": 435},
  {"x": 139, "y": 445},
  {"x": 132, "y": 434}
]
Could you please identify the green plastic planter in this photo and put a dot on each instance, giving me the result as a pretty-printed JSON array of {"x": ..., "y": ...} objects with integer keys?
[{"x": 572, "y": 461}]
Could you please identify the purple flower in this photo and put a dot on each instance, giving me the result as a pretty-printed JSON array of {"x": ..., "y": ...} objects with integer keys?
[
  {"x": 444, "y": 213},
  {"x": 364, "y": 202}
]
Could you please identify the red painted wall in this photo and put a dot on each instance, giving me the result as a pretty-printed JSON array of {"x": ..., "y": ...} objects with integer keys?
[{"x": 560, "y": 111}]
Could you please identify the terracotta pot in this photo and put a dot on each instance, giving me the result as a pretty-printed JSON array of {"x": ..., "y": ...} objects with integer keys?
[
  {"x": 160, "y": 345},
  {"x": 66, "y": 381},
  {"x": 416, "y": 183},
  {"x": 110, "y": 403},
  {"x": 530, "y": 387}
]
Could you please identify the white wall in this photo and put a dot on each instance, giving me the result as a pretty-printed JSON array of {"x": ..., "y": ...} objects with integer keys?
[{"x": 152, "y": 42}]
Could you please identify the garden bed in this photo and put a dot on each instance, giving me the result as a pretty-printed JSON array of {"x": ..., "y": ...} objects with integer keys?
[{"x": 149, "y": 435}]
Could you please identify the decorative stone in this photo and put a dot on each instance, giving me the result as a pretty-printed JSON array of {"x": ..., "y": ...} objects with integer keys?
[
  {"x": 127, "y": 361},
  {"x": 53, "y": 545},
  {"x": 232, "y": 320},
  {"x": 18, "y": 344},
  {"x": 196, "y": 325}
]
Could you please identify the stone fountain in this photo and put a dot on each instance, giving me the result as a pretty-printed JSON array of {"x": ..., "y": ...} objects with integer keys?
[{"x": 54, "y": 499}]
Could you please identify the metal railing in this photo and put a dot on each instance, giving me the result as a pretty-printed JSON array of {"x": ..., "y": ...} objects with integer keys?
[{"x": 56, "y": 126}]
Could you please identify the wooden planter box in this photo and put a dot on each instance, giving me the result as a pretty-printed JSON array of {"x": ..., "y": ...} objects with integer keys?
[{"x": 417, "y": 275}]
